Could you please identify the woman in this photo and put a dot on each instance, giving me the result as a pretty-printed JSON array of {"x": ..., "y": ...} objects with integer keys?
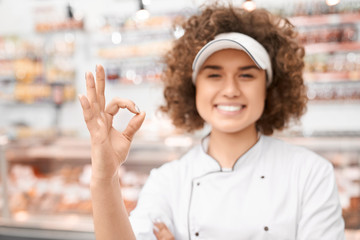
[{"x": 241, "y": 73}]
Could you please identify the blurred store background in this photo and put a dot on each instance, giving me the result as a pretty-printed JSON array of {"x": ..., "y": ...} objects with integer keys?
[{"x": 46, "y": 46}]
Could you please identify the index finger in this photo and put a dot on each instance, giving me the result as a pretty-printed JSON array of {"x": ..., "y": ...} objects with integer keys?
[{"x": 116, "y": 103}]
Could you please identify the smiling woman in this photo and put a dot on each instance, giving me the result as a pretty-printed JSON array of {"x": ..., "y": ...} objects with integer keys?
[
  {"x": 275, "y": 48},
  {"x": 241, "y": 73}
]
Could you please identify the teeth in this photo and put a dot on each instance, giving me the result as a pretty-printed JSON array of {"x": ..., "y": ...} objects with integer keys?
[{"x": 229, "y": 108}]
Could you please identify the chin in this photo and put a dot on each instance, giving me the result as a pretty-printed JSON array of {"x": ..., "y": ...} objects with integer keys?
[
  {"x": 233, "y": 128},
  {"x": 228, "y": 129}
]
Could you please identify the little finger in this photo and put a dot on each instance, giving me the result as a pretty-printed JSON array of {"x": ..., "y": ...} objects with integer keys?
[{"x": 87, "y": 112}]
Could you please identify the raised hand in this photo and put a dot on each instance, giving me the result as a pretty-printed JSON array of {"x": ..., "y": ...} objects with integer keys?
[{"x": 109, "y": 147}]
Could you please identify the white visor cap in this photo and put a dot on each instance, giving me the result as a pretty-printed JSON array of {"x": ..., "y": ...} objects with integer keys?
[{"x": 234, "y": 40}]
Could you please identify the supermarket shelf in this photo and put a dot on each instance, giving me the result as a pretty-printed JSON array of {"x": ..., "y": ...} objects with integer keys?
[
  {"x": 66, "y": 25},
  {"x": 331, "y": 47},
  {"x": 326, "y": 143},
  {"x": 9, "y": 103},
  {"x": 307, "y": 21},
  {"x": 72, "y": 150},
  {"x": 332, "y": 76},
  {"x": 62, "y": 150},
  {"x": 71, "y": 227},
  {"x": 335, "y": 102}
]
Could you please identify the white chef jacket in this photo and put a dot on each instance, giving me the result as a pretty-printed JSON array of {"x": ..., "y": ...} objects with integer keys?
[{"x": 274, "y": 191}]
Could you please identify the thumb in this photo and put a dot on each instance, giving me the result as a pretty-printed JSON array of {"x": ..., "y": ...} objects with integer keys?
[{"x": 134, "y": 125}]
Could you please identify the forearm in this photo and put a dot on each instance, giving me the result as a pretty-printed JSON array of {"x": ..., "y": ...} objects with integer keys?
[{"x": 110, "y": 216}]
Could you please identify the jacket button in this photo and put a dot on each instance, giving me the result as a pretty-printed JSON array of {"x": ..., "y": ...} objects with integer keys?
[
  {"x": 197, "y": 234},
  {"x": 266, "y": 228},
  {"x": 198, "y": 184}
]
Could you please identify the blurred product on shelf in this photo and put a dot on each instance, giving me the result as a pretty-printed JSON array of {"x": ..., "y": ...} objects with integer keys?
[
  {"x": 27, "y": 93},
  {"x": 62, "y": 191},
  {"x": 6, "y": 68},
  {"x": 130, "y": 72},
  {"x": 47, "y": 178},
  {"x": 32, "y": 93},
  {"x": 341, "y": 33},
  {"x": 319, "y": 7},
  {"x": 60, "y": 26},
  {"x": 346, "y": 92},
  {"x": 19, "y": 133},
  {"x": 352, "y": 214},
  {"x": 332, "y": 60},
  {"x": 37, "y": 193},
  {"x": 343, "y": 66},
  {"x": 28, "y": 70},
  {"x": 133, "y": 49},
  {"x": 51, "y": 19},
  {"x": 139, "y": 50},
  {"x": 28, "y": 78}
]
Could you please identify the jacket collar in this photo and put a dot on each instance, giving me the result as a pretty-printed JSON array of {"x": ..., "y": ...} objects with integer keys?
[{"x": 207, "y": 164}]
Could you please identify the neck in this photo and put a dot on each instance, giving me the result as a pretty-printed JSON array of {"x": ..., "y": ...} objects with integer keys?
[{"x": 221, "y": 145}]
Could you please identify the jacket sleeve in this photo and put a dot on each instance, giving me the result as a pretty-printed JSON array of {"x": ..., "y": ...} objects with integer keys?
[
  {"x": 153, "y": 203},
  {"x": 321, "y": 215}
]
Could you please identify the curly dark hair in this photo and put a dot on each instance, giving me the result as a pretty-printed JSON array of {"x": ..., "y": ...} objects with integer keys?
[{"x": 286, "y": 96}]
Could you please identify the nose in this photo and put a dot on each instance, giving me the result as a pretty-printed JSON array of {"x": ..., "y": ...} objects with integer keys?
[{"x": 231, "y": 88}]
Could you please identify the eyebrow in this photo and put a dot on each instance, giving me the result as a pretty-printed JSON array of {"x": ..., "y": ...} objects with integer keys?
[{"x": 216, "y": 67}]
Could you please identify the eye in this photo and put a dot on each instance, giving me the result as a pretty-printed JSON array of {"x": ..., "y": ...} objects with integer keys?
[
  {"x": 246, "y": 75},
  {"x": 214, "y": 75}
]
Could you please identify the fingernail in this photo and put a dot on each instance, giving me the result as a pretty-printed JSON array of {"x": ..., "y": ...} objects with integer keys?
[{"x": 137, "y": 109}]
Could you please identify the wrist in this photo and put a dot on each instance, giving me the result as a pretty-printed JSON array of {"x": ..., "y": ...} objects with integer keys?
[{"x": 104, "y": 181}]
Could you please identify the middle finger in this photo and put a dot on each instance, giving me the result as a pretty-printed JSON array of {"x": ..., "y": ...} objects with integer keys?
[{"x": 100, "y": 86}]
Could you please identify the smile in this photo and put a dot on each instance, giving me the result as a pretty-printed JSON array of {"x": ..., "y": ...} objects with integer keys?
[{"x": 229, "y": 108}]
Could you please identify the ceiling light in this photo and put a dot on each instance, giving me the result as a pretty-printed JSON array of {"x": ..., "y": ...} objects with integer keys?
[
  {"x": 142, "y": 14},
  {"x": 249, "y": 5},
  {"x": 332, "y": 2},
  {"x": 116, "y": 38}
]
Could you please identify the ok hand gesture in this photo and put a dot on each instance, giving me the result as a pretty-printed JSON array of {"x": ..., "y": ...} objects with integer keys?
[{"x": 109, "y": 147}]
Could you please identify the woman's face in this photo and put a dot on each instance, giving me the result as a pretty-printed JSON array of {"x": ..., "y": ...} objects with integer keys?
[{"x": 230, "y": 91}]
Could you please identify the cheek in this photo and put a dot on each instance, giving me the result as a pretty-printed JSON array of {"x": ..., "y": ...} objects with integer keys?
[
  {"x": 261, "y": 101},
  {"x": 202, "y": 101},
  {"x": 199, "y": 100},
  {"x": 258, "y": 97}
]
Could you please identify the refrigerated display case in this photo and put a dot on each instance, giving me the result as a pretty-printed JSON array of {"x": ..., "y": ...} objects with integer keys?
[
  {"x": 45, "y": 184},
  {"x": 41, "y": 197}
]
